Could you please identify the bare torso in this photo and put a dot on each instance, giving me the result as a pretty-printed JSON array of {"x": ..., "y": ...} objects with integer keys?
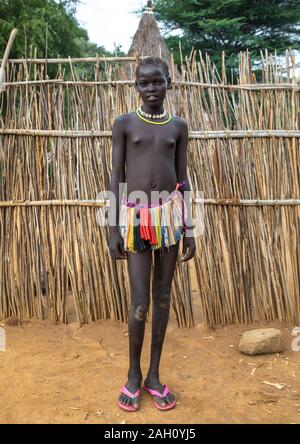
[{"x": 150, "y": 155}]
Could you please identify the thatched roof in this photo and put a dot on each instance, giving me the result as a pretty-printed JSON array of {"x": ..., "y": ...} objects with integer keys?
[{"x": 147, "y": 41}]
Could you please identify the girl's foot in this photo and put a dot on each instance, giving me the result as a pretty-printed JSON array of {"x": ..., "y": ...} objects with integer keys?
[
  {"x": 162, "y": 397},
  {"x": 130, "y": 395}
]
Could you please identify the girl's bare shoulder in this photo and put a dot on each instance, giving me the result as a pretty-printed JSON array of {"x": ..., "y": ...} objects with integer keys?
[
  {"x": 121, "y": 122},
  {"x": 124, "y": 118},
  {"x": 180, "y": 122}
]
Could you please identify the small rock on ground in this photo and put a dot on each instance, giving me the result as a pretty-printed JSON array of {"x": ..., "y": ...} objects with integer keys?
[{"x": 260, "y": 341}]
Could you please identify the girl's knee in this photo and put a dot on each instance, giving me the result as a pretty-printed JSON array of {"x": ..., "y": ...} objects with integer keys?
[
  {"x": 139, "y": 311},
  {"x": 162, "y": 298}
]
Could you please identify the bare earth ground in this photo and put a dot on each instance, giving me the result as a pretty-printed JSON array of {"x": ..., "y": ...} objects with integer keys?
[{"x": 66, "y": 374}]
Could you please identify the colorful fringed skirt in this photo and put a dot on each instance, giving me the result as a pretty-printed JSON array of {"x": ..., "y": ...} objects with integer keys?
[{"x": 153, "y": 227}]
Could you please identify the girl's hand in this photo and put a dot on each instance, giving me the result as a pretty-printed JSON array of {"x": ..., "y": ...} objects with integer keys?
[
  {"x": 190, "y": 245},
  {"x": 116, "y": 246}
]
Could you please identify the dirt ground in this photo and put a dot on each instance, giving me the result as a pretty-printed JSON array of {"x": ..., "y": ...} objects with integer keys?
[{"x": 69, "y": 374}]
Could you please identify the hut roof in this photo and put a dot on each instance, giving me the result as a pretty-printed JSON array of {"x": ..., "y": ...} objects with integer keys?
[{"x": 147, "y": 41}]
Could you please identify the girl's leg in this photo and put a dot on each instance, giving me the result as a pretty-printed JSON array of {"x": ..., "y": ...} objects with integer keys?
[
  {"x": 164, "y": 267},
  {"x": 139, "y": 270}
]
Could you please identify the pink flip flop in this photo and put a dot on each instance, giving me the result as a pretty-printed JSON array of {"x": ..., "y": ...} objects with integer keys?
[
  {"x": 126, "y": 392},
  {"x": 161, "y": 395}
]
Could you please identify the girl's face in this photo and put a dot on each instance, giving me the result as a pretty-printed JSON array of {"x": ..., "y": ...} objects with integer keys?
[{"x": 152, "y": 85}]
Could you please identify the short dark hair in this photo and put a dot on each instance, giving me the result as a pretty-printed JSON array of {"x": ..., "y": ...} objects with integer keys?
[{"x": 156, "y": 61}]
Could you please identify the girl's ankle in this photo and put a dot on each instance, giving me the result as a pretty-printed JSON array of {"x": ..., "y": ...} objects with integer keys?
[
  {"x": 153, "y": 378},
  {"x": 135, "y": 375}
]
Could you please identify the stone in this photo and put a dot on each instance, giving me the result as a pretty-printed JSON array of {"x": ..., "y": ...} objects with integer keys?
[
  {"x": 74, "y": 355},
  {"x": 261, "y": 341},
  {"x": 70, "y": 354}
]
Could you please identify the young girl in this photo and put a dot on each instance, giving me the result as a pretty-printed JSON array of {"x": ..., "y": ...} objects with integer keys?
[{"x": 149, "y": 157}]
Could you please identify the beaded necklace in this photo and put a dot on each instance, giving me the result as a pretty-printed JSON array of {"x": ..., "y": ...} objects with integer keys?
[
  {"x": 138, "y": 112},
  {"x": 152, "y": 116}
]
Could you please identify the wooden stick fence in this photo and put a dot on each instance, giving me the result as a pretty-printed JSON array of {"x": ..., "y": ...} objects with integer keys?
[
  {"x": 175, "y": 83},
  {"x": 55, "y": 146},
  {"x": 192, "y": 135},
  {"x": 72, "y": 60},
  {"x": 101, "y": 203}
]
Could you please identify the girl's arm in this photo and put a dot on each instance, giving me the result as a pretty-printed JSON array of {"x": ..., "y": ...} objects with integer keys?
[
  {"x": 118, "y": 170},
  {"x": 181, "y": 164}
]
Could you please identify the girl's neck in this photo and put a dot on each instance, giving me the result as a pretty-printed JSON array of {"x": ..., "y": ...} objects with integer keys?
[{"x": 153, "y": 109}]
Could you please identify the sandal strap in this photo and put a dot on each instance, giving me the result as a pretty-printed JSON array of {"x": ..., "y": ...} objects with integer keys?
[
  {"x": 126, "y": 392},
  {"x": 159, "y": 395},
  {"x": 166, "y": 391}
]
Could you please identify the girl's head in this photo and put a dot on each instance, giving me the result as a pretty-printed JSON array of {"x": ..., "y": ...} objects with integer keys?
[
  {"x": 152, "y": 61},
  {"x": 152, "y": 80}
]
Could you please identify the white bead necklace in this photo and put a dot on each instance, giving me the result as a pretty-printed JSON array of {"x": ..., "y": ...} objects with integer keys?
[{"x": 152, "y": 116}]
